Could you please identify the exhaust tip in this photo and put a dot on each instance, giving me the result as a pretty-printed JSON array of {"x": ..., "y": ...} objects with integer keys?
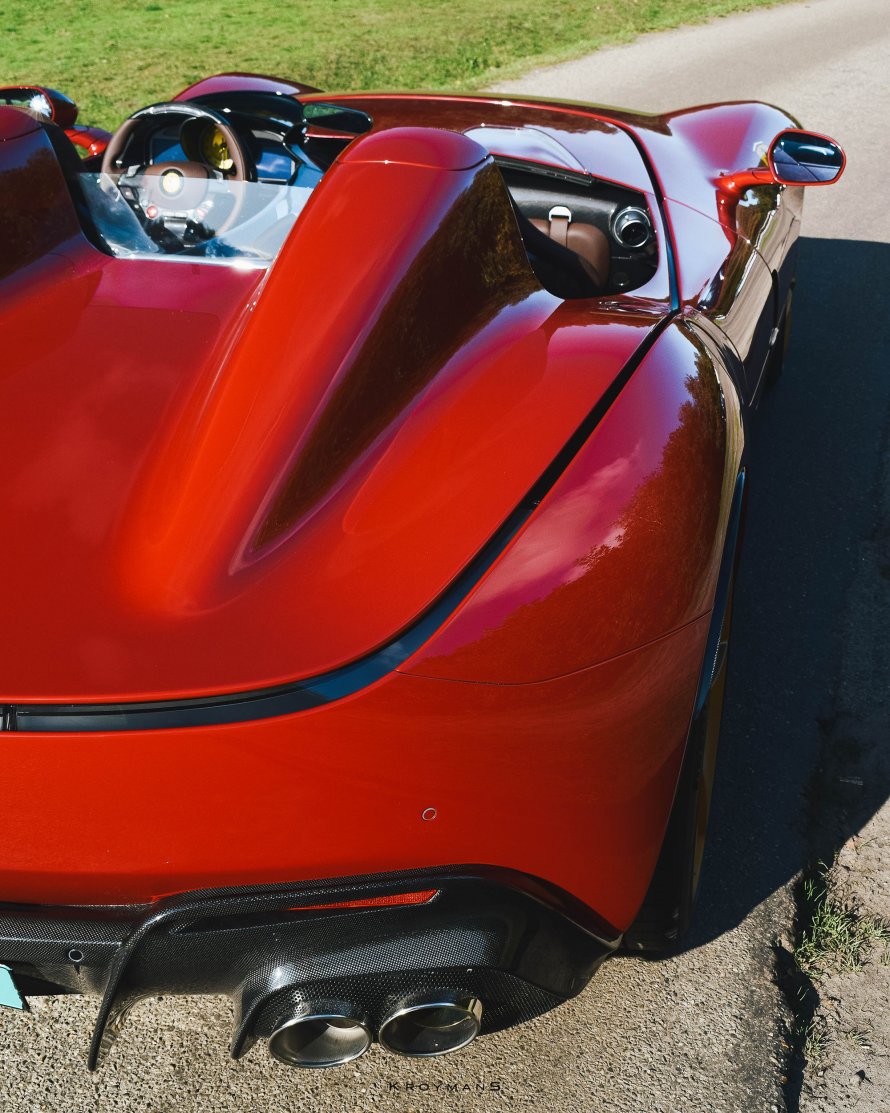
[
  {"x": 435, "y": 1026},
  {"x": 320, "y": 1036}
]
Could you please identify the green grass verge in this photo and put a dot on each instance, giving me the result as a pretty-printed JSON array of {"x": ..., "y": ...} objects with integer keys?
[
  {"x": 837, "y": 937},
  {"x": 113, "y": 56}
]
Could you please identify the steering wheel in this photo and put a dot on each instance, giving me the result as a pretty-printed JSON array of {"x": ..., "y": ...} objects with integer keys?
[{"x": 176, "y": 185}]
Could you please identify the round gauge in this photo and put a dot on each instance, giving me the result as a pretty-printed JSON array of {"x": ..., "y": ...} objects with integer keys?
[{"x": 214, "y": 149}]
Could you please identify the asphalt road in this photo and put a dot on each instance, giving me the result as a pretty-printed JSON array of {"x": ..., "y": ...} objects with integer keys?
[{"x": 701, "y": 1032}]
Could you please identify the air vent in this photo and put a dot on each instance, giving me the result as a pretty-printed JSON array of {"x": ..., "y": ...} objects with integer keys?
[{"x": 631, "y": 227}]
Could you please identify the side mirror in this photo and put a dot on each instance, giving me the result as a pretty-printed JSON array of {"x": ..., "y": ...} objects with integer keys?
[
  {"x": 45, "y": 102},
  {"x": 804, "y": 158},
  {"x": 794, "y": 158}
]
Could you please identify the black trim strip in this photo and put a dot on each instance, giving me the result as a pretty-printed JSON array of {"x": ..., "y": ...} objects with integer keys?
[
  {"x": 665, "y": 223},
  {"x": 721, "y": 596},
  {"x": 289, "y": 698}
]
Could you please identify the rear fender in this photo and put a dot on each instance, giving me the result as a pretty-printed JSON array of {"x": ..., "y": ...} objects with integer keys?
[{"x": 626, "y": 547}]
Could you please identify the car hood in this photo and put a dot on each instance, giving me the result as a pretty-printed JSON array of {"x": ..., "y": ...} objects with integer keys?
[{"x": 220, "y": 479}]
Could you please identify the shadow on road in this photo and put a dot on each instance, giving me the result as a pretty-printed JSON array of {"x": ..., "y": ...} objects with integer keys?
[{"x": 814, "y": 464}]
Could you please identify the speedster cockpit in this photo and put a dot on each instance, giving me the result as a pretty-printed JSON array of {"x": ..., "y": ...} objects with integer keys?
[{"x": 218, "y": 178}]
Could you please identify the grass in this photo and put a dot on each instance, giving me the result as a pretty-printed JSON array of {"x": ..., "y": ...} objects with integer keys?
[
  {"x": 858, "y": 1037},
  {"x": 837, "y": 937},
  {"x": 813, "y": 1038},
  {"x": 113, "y": 56}
]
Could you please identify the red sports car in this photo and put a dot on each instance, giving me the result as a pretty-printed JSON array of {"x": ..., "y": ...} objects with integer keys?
[{"x": 373, "y": 476}]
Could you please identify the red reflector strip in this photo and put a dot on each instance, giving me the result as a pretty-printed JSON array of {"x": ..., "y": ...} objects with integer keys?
[{"x": 390, "y": 901}]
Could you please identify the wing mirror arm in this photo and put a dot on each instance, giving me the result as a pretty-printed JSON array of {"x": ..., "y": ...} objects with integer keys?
[
  {"x": 734, "y": 185},
  {"x": 92, "y": 141}
]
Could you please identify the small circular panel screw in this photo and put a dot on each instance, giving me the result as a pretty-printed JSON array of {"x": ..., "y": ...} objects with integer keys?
[
  {"x": 75, "y": 956},
  {"x": 428, "y": 813}
]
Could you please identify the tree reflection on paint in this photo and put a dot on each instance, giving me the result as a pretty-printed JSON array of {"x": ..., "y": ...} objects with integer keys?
[
  {"x": 648, "y": 567},
  {"x": 472, "y": 267}
]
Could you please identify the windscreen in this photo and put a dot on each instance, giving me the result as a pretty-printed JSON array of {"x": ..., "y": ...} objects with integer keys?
[{"x": 173, "y": 216}]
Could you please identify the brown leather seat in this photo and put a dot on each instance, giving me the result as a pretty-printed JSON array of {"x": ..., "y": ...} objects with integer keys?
[{"x": 588, "y": 242}]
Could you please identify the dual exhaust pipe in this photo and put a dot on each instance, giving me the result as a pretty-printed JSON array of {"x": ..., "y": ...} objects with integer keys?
[{"x": 328, "y": 1034}]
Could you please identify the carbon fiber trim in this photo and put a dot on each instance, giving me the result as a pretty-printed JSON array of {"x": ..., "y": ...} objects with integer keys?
[{"x": 479, "y": 935}]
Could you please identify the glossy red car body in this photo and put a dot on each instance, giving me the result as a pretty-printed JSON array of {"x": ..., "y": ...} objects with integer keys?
[{"x": 223, "y": 480}]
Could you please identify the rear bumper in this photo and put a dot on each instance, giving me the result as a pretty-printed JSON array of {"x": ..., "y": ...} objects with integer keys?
[
  {"x": 569, "y": 779},
  {"x": 516, "y": 945}
]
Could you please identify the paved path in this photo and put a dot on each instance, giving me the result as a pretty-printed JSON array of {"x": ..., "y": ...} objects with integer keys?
[{"x": 700, "y": 1033}]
